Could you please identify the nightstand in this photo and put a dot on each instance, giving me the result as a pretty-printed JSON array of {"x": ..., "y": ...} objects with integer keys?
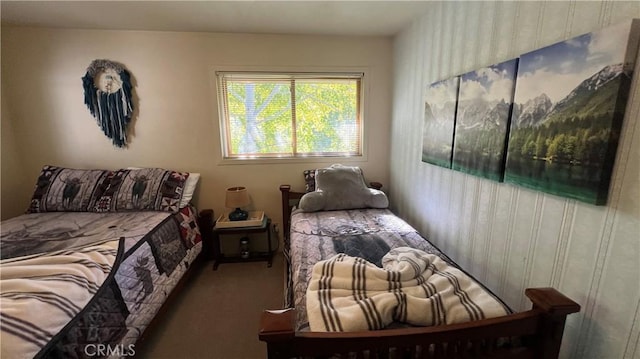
[{"x": 218, "y": 233}]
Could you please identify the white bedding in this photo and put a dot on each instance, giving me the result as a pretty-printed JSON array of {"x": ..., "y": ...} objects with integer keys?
[
  {"x": 41, "y": 294},
  {"x": 364, "y": 233},
  {"x": 350, "y": 294},
  {"x": 73, "y": 280}
]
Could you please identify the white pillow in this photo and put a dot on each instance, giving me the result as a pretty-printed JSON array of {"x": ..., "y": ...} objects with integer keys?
[{"x": 189, "y": 188}]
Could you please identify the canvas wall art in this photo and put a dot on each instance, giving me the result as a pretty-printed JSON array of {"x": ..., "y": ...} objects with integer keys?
[
  {"x": 439, "y": 122},
  {"x": 482, "y": 119},
  {"x": 569, "y": 104}
]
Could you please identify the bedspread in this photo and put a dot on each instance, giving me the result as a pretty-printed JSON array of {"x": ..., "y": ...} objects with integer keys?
[
  {"x": 350, "y": 294},
  {"x": 100, "y": 279},
  {"x": 41, "y": 294}
]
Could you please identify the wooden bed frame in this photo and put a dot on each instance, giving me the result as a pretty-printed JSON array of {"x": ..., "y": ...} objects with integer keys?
[{"x": 535, "y": 333}]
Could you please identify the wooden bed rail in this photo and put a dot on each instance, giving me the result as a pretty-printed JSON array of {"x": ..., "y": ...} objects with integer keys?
[{"x": 536, "y": 333}]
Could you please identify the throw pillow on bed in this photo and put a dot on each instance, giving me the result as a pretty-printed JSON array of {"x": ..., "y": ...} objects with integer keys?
[
  {"x": 144, "y": 189},
  {"x": 60, "y": 189},
  {"x": 189, "y": 187},
  {"x": 309, "y": 180},
  {"x": 342, "y": 187}
]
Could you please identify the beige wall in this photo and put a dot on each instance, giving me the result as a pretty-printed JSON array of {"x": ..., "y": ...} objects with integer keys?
[
  {"x": 509, "y": 237},
  {"x": 11, "y": 173},
  {"x": 176, "y": 125}
]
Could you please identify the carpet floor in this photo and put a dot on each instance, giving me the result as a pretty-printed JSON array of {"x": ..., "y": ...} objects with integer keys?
[{"x": 218, "y": 312}]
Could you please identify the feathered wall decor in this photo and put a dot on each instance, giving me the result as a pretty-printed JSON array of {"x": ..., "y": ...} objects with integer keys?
[{"x": 107, "y": 94}]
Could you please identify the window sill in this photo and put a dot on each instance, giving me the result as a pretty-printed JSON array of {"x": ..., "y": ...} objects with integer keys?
[{"x": 286, "y": 160}]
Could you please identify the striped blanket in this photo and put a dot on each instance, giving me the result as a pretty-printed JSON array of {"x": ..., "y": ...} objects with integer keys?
[
  {"x": 350, "y": 294},
  {"x": 67, "y": 283},
  {"x": 41, "y": 293}
]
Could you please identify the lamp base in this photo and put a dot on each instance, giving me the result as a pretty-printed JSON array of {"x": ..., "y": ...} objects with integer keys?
[{"x": 238, "y": 215}]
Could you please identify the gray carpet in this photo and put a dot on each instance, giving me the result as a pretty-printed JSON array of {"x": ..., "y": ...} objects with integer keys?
[{"x": 217, "y": 315}]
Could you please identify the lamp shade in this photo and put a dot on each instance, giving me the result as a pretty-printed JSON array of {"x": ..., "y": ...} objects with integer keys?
[{"x": 237, "y": 197}]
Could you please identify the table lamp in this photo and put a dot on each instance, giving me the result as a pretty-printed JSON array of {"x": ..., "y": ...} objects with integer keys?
[{"x": 237, "y": 197}]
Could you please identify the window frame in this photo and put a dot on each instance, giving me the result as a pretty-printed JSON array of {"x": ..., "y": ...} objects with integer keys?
[{"x": 286, "y": 75}]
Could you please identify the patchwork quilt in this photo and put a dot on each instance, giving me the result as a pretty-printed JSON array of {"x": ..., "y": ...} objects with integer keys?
[
  {"x": 73, "y": 281},
  {"x": 368, "y": 234}
]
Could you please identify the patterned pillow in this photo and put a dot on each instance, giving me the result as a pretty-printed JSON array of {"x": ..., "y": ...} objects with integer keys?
[
  {"x": 60, "y": 189},
  {"x": 143, "y": 189},
  {"x": 310, "y": 180},
  {"x": 189, "y": 187}
]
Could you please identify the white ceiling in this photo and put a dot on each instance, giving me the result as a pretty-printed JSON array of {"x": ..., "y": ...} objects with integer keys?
[{"x": 373, "y": 18}]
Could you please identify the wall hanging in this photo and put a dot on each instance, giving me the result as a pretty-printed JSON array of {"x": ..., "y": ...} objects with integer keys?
[
  {"x": 482, "y": 119},
  {"x": 439, "y": 120},
  {"x": 565, "y": 119},
  {"x": 569, "y": 104},
  {"x": 107, "y": 94}
]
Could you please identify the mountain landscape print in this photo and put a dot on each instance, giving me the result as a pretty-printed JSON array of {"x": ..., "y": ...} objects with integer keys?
[
  {"x": 482, "y": 118},
  {"x": 439, "y": 121},
  {"x": 568, "y": 109}
]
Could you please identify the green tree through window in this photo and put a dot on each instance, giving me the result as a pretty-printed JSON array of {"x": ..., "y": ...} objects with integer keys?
[{"x": 290, "y": 115}]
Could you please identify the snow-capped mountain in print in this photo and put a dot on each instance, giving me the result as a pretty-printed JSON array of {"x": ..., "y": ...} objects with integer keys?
[
  {"x": 480, "y": 114},
  {"x": 532, "y": 112},
  {"x": 594, "y": 96},
  {"x": 440, "y": 112},
  {"x": 569, "y": 107}
]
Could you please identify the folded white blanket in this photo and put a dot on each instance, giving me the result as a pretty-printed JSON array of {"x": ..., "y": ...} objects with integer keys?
[
  {"x": 350, "y": 294},
  {"x": 42, "y": 293}
]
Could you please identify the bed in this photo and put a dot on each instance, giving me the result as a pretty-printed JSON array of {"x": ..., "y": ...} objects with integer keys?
[
  {"x": 321, "y": 236},
  {"x": 99, "y": 253}
]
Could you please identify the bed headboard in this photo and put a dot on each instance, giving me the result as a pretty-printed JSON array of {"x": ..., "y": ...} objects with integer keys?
[{"x": 290, "y": 199}]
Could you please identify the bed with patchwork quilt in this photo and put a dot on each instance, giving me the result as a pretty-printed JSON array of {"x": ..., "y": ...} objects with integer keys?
[
  {"x": 361, "y": 282},
  {"x": 85, "y": 281}
]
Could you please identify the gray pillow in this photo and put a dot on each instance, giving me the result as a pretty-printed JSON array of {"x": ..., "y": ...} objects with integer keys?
[{"x": 342, "y": 187}]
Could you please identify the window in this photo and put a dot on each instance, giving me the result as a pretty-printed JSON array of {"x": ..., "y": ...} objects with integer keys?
[{"x": 269, "y": 115}]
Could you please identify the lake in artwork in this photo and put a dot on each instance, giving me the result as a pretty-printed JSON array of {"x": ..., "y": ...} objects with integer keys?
[{"x": 568, "y": 109}]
